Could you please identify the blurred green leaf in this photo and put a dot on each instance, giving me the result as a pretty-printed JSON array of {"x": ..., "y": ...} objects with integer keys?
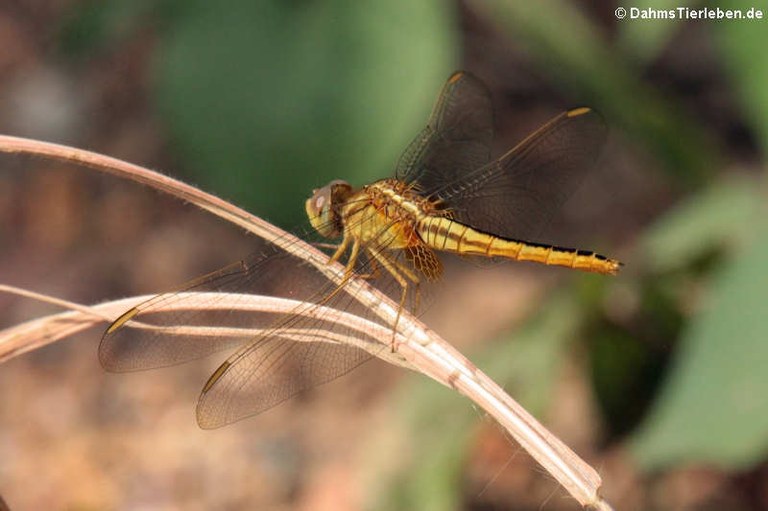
[
  {"x": 704, "y": 222},
  {"x": 269, "y": 99},
  {"x": 713, "y": 407},
  {"x": 644, "y": 39},
  {"x": 526, "y": 364},
  {"x": 579, "y": 59},
  {"x": 742, "y": 44}
]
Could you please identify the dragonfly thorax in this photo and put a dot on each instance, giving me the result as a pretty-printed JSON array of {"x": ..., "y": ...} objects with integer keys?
[
  {"x": 324, "y": 208},
  {"x": 386, "y": 215}
]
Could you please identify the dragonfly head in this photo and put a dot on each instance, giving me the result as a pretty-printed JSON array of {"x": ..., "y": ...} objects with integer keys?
[{"x": 324, "y": 208}]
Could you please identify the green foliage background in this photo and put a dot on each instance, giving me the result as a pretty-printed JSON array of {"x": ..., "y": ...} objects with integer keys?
[{"x": 267, "y": 99}]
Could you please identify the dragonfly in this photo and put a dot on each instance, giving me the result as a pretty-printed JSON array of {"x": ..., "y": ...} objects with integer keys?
[{"x": 446, "y": 196}]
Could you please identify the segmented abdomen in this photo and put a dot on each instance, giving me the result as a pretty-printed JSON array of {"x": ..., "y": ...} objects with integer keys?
[{"x": 442, "y": 233}]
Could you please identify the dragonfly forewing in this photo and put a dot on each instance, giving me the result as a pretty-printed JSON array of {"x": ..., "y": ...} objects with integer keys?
[
  {"x": 516, "y": 195},
  {"x": 282, "y": 351},
  {"x": 457, "y": 138}
]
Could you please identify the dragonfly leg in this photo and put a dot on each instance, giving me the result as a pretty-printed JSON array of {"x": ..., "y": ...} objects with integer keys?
[
  {"x": 340, "y": 249},
  {"x": 402, "y": 275},
  {"x": 348, "y": 269},
  {"x": 415, "y": 280}
]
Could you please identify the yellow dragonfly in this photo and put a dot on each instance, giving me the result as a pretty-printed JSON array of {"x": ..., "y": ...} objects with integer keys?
[{"x": 447, "y": 196}]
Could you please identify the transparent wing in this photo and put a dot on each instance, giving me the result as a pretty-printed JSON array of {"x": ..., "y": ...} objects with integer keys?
[
  {"x": 153, "y": 334},
  {"x": 457, "y": 138},
  {"x": 170, "y": 328},
  {"x": 281, "y": 352},
  {"x": 517, "y": 194},
  {"x": 273, "y": 369}
]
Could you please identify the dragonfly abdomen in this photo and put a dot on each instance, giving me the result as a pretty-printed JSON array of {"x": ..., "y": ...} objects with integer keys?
[{"x": 443, "y": 233}]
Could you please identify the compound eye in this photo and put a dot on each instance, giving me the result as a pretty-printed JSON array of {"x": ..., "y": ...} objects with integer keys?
[{"x": 320, "y": 212}]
